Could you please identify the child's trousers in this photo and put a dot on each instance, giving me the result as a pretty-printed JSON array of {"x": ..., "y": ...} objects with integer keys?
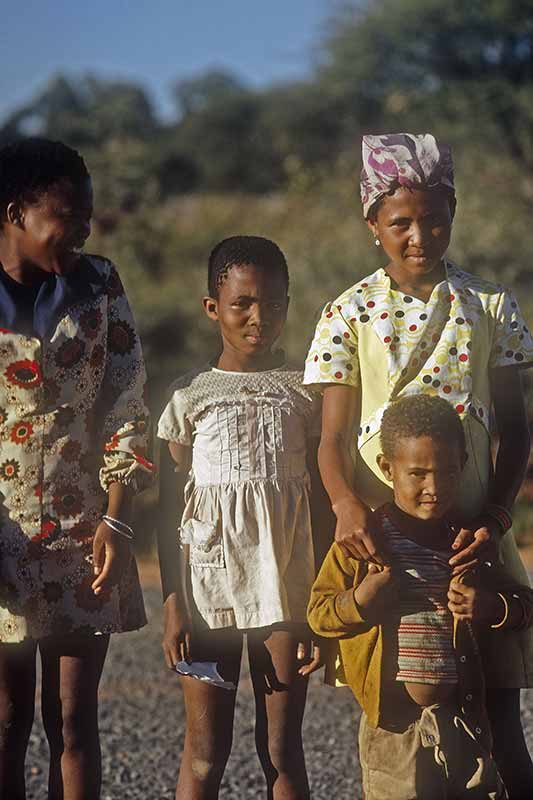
[{"x": 436, "y": 758}]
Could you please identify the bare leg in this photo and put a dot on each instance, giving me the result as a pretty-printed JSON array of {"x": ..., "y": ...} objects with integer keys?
[
  {"x": 17, "y": 704},
  {"x": 210, "y": 712},
  {"x": 280, "y": 694},
  {"x": 72, "y": 667}
]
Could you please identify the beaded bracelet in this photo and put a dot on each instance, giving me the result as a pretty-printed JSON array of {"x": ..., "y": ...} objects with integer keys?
[
  {"x": 501, "y": 515},
  {"x": 505, "y": 612},
  {"x": 119, "y": 527}
]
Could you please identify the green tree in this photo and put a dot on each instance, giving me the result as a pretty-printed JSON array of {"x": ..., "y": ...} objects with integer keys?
[
  {"x": 86, "y": 112},
  {"x": 214, "y": 87},
  {"x": 219, "y": 129},
  {"x": 464, "y": 64},
  {"x": 301, "y": 123}
]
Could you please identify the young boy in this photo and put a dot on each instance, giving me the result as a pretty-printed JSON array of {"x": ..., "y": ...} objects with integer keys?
[{"x": 410, "y": 635}]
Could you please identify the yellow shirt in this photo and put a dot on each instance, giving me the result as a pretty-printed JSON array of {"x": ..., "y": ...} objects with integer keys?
[{"x": 388, "y": 344}]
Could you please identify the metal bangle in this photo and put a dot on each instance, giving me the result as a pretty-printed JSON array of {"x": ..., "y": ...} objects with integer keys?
[
  {"x": 502, "y": 622},
  {"x": 119, "y": 527},
  {"x": 117, "y": 530},
  {"x": 118, "y": 522}
]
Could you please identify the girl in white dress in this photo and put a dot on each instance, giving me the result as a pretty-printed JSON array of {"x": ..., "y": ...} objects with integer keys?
[{"x": 238, "y": 434}]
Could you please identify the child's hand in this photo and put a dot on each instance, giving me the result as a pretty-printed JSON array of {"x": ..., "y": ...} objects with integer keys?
[
  {"x": 354, "y": 531},
  {"x": 177, "y": 633},
  {"x": 111, "y": 556},
  {"x": 376, "y": 593},
  {"x": 479, "y": 541},
  {"x": 309, "y": 651},
  {"x": 474, "y": 604}
]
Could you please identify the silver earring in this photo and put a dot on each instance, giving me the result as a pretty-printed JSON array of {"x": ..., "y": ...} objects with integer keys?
[{"x": 377, "y": 242}]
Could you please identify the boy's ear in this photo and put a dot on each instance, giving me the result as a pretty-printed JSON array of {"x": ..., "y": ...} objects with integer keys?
[
  {"x": 385, "y": 466},
  {"x": 210, "y": 307},
  {"x": 15, "y": 214}
]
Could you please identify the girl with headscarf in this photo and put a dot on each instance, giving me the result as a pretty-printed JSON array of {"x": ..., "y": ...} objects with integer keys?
[{"x": 423, "y": 324}]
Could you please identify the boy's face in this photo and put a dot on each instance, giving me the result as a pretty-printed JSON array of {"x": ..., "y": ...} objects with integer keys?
[{"x": 425, "y": 474}]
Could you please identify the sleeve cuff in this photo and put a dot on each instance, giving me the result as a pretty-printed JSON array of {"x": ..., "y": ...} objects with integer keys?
[
  {"x": 347, "y": 609},
  {"x": 133, "y": 471}
]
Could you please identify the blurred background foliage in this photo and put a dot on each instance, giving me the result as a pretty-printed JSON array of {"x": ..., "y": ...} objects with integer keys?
[{"x": 284, "y": 161}]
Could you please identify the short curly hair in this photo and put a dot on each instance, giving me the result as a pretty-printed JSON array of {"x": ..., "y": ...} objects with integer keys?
[
  {"x": 419, "y": 415},
  {"x": 29, "y": 167},
  {"x": 238, "y": 250}
]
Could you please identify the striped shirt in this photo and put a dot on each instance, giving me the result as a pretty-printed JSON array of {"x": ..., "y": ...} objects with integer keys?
[{"x": 425, "y": 631}]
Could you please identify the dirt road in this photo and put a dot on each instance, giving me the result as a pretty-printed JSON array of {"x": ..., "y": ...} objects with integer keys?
[{"x": 142, "y": 724}]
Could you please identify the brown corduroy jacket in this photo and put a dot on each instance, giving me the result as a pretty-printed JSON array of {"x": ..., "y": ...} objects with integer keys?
[{"x": 333, "y": 613}]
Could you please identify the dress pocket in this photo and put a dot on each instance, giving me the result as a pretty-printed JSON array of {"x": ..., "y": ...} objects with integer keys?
[{"x": 206, "y": 548}]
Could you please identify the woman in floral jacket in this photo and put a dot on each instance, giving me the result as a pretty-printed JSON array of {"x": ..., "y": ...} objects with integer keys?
[{"x": 72, "y": 437}]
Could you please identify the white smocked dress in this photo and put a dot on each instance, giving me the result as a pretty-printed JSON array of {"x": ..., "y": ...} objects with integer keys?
[{"x": 247, "y": 515}]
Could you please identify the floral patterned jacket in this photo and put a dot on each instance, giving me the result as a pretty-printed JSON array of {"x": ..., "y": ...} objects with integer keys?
[{"x": 73, "y": 419}]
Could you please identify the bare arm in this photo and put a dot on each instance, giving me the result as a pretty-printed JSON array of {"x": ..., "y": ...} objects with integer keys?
[
  {"x": 323, "y": 527},
  {"x": 338, "y": 420},
  {"x": 112, "y": 551},
  {"x": 173, "y": 561},
  {"x": 353, "y": 532},
  {"x": 513, "y": 429},
  {"x": 322, "y": 517},
  {"x": 174, "y": 466},
  {"x": 511, "y": 464}
]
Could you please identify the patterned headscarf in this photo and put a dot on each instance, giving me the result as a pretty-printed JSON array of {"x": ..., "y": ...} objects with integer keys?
[{"x": 403, "y": 159}]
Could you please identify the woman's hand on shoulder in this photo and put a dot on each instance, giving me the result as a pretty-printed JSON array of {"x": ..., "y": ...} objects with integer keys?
[
  {"x": 177, "y": 632},
  {"x": 111, "y": 556},
  {"x": 479, "y": 541},
  {"x": 355, "y": 531}
]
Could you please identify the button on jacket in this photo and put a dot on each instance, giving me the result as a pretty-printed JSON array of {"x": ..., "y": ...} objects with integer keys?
[{"x": 333, "y": 613}]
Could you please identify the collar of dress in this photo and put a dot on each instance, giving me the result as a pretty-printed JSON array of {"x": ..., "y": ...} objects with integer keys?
[{"x": 55, "y": 297}]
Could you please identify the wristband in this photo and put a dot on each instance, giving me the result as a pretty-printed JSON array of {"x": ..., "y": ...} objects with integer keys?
[
  {"x": 501, "y": 515},
  {"x": 505, "y": 612},
  {"x": 119, "y": 527}
]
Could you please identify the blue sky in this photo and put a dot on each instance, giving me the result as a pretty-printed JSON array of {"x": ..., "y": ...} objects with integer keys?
[{"x": 155, "y": 42}]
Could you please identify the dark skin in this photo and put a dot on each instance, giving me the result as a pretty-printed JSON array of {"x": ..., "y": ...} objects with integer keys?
[
  {"x": 44, "y": 237},
  {"x": 426, "y": 475},
  {"x": 38, "y": 239},
  {"x": 250, "y": 311},
  {"x": 414, "y": 228}
]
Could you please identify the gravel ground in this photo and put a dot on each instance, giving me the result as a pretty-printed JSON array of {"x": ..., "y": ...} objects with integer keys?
[{"x": 142, "y": 728}]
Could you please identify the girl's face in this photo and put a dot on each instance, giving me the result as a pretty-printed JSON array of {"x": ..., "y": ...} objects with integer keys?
[
  {"x": 251, "y": 310},
  {"x": 414, "y": 227},
  {"x": 50, "y": 232}
]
